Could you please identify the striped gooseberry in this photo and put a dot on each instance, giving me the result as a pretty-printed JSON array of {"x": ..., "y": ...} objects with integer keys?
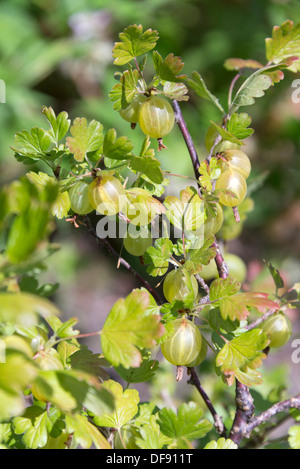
[
  {"x": 156, "y": 117},
  {"x": 131, "y": 112},
  {"x": 179, "y": 285},
  {"x": 238, "y": 161},
  {"x": 184, "y": 345},
  {"x": 79, "y": 198},
  {"x": 137, "y": 244},
  {"x": 235, "y": 184},
  {"x": 213, "y": 224},
  {"x": 278, "y": 327},
  {"x": 107, "y": 195},
  {"x": 200, "y": 357}
]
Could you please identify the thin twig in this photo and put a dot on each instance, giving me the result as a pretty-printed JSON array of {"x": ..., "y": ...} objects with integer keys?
[
  {"x": 292, "y": 403},
  {"x": 219, "y": 425},
  {"x": 187, "y": 137},
  {"x": 259, "y": 320},
  {"x": 114, "y": 253}
]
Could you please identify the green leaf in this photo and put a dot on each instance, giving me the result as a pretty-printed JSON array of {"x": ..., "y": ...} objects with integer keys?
[
  {"x": 149, "y": 166},
  {"x": 196, "y": 258},
  {"x": 151, "y": 436},
  {"x": 169, "y": 68},
  {"x": 33, "y": 144},
  {"x": 217, "y": 323},
  {"x": 69, "y": 390},
  {"x": 134, "y": 42},
  {"x": 126, "y": 406},
  {"x": 234, "y": 305},
  {"x": 284, "y": 44},
  {"x": 221, "y": 443},
  {"x": 238, "y": 125},
  {"x": 59, "y": 124},
  {"x": 278, "y": 280},
  {"x": 61, "y": 205},
  {"x": 226, "y": 135},
  {"x": 123, "y": 93},
  {"x": 117, "y": 148},
  {"x": 157, "y": 257},
  {"x": 242, "y": 356},
  {"x": 84, "y": 433},
  {"x": 186, "y": 424},
  {"x": 61, "y": 329},
  {"x": 253, "y": 87},
  {"x": 33, "y": 426},
  {"x": 223, "y": 287},
  {"x": 176, "y": 91},
  {"x": 85, "y": 138},
  {"x": 92, "y": 363},
  {"x": 23, "y": 308},
  {"x": 197, "y": 84},
  {"x": 127, "y": 329},
  {"x": 209, "y": 172},
  {"x": 294, "y": 437},
  {"x": 144, "y": 372},
  {"x": 15, "y": 374}
]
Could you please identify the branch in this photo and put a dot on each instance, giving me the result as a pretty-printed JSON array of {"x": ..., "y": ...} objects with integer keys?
[
  {"x": 292, "y": 403},
  {"x": 244, "y": 412},
  {"x": 219, "y": 425},
  {"x": 244, "y": 400},
  {"x": 114, "y": 253},
  {"x": 221, "y": 264},
  {"x": 187, "y": 137},
  {"x": 259, "y": 320}
]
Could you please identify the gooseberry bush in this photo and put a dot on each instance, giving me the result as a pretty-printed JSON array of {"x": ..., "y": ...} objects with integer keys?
[{"x": 55, "y": 392}]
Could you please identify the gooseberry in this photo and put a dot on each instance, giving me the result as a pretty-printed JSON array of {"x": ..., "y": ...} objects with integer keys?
[
  {"x": 234, "y": 182},
  {"x": 156, "y": 117},
  {"x": 238, "y": 161},
  {"x": 179, "y": 284},
  {"x": 107, "y": 195},
  {"x": 184, "y": 345},
  {"x": 79, "y": 198},
  {"x": 278, "y": 327},
  {"x": 131, "y": 112}
]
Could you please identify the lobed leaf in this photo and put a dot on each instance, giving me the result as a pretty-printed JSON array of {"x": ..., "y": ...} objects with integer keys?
[
  {"x": 126, "y": 406},
  {"x": 238, "y": 125},
  {"x": 285, "y": 44},
  {"x": 85, "y": 433},
  {"x": 198, "y": 257},
  {"x": 168, "y": 69},
  {"x": 226, "y": 135},
  {"x": 123, "y": 93},
  {"x": 186, "y": 424},
  {"x": 117, "y": 148},
  {"x": 221, "y": 443},
  {"x": 59, "y": 124},
  {"x": 85, "y": 138},
  {"x": 127, "y": 329},
  {"x": 134, "y": 42},
  {"x": 157, "y": 257},
  {"x": 241, "y": 357}
]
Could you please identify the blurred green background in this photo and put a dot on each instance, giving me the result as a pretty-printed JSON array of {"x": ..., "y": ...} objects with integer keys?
[{"x": 58, "y": 53}]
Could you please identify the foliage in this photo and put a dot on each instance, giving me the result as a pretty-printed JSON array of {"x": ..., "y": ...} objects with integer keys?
[{"x": 56, "y": 393}]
